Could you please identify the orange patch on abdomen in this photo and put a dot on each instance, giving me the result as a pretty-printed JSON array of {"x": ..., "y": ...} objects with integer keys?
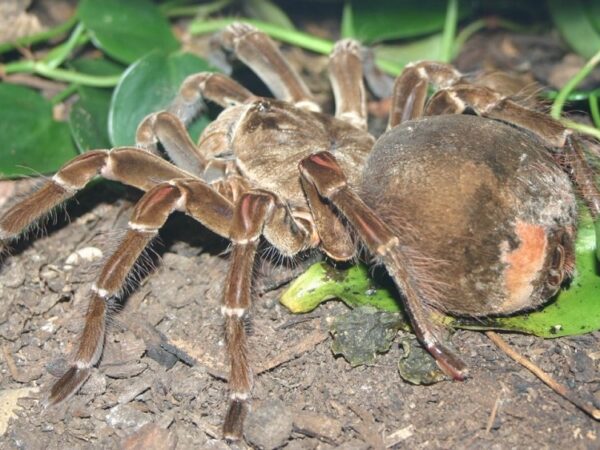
[{"x": 523, "y": 266}]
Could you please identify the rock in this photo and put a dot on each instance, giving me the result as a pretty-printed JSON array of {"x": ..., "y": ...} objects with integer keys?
[
  {"x": 150, "y": 437},
  {"x": 8, "y": 404},
  {"x": 124, "y": 370},
  {"x": 126, "y": 416},
  {"x": 354, "y": 444},
  {"x": 133, "y": 391},
  {"x": 82, "y": 256},
  {"x": 317, "y": 425},
  {"x": 269, "y": 425},
  {"x": 15, "y": 276},
  {"x": 95, "y": 385}
]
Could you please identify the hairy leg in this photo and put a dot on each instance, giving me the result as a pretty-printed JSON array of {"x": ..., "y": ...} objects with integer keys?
[
  {"x": 130, "y": 166},
  {"x": 323, "y": 171},
  {"x": 346, "y": 76}
]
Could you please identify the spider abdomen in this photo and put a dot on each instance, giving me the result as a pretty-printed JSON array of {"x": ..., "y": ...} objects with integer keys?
[{"x": 483, "y": 203}]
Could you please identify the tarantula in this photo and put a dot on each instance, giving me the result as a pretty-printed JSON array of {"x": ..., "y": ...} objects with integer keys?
[{"x": 470, "y": 214}]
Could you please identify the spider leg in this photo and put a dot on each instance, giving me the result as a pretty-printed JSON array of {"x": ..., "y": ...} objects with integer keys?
[
  {"x": 336, "y": 241},
  {"x": 170, "y": 131},
  {"x": 324, "y": 173},
  {"x": 346, "y": 77},
  {"x": 150, "y": 213},
  {"x": 488, "y": 103},
  {"x": 169, "y": 127},
  {"x": 255, "y": 49},
  {"x": 410, "y": 89},
  {"x": 130, "y": 166},
  {"x": 380, "y": 83},
  {"x": 250, "y": 215}
]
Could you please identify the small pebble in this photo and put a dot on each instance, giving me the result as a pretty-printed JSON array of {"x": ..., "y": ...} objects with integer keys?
[
  {"x": 150, "y": 437},
  {"x": 95, "y": 385},
  {"x": 124, "y": 370},
  {"x": 86, "y": 254},
  {"x": 14, "y": 277},
  {"x": 126, "y": 416},
  {"x": 317, "y": 425},
  {"x": 269, "y": 425},
  {"x": 133, "y": 391}
]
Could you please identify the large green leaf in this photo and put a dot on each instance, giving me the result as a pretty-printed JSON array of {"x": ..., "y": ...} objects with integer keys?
[
  {"x": 354, "y": 286},
  {"x": 147, "y": 86},
  {"x": 89, "y": 119},
  {"x": 576, "y": 310},
  {"x": 89, "y": 115},
  {"x": 399, "y": 55},
  {"x": 576, "y": 26},
  {"x": 371, "y": 21},
  {"x": 267, "y": 11},
  {"x": 127, "y": 30},
  {"x": 32, "y": 141}
]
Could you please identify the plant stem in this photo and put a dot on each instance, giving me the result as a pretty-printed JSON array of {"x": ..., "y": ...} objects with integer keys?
[
  {"x": 561, "y": 98},
  {"x": 594, "y": 110},
  {"x": 573, "y": 96},
  {"x": 59, "y": 54},
  {"x": 446, "y": 51},
  {"x": 57, "y": 74},
  {"x": 65, "y": 93},
  {"x": 39, "y": 37},
  {"x": 491, "y": 23},
  {"x": 195, "y": 10},
  {"x": 466, "y": 33},
  {"x": 347, "y": 30},
  {"x": 582, "y": 128},
  {"x": 560, "y": 388},
  {"x": 288, "y": 36}
]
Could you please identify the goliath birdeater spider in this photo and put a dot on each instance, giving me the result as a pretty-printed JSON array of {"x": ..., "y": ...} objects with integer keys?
[{"x": 471, "y": 214}]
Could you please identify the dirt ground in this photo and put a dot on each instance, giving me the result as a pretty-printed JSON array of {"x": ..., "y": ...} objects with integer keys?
[
  {"x": 162, "y": 368},
  {"x": 160, "y": 381}
]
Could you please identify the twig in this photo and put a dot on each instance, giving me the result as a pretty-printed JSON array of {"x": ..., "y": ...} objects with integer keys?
[
  {"x": 557, "y": 387},
  {"x": 217, "y": 368},
  {"x": 305, "y": 345},
  {"x": 15, "y": 373},
  {"x": 367, "y": 428},
  {"x": 33, "y": 81},
  {"x": 493, "y": 414}
]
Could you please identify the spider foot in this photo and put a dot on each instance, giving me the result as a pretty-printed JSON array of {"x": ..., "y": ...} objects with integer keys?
[
  {"x": 446, "y": 360},
  {"x": 67, "y": 385},
  {"x": 234, "y": 420}
]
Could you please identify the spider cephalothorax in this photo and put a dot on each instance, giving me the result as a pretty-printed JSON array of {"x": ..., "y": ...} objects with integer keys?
[{"x": 469, "y": 215}]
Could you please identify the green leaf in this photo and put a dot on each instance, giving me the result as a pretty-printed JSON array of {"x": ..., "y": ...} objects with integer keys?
[
  {"x": 416, "y": 365},
  {"x": 267, "y": 11},
  {"x": 321, "y": 282},
  {"x": 593, "y": 13},
  {"x": 576, "y": 309},
  {"x": 97, "y": 66},
  {"x": 399, "y": 55},
  {"x": 390, "y": 19},
  {"x": 32, "y": 141},
  {"x": 89, "y": 119},
  {"x": 575, "y": 26},
  {"x": 127, "y": 30},
  {"x": 347, "y": 26},
  {"x": 89, "y": 115},
  {"x": 360, "y": 334},
  {"x": 148, "y": 86},
  {"x": 597, "y": 226}
]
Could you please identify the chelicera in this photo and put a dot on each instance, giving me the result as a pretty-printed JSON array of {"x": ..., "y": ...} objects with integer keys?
[{"x": 470, "y": 214}]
